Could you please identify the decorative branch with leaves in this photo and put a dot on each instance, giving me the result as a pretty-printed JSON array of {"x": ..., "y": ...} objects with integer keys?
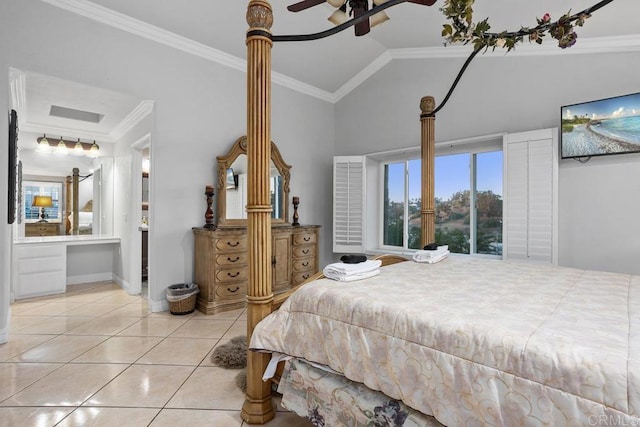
[{"x": 462, "y": 29}]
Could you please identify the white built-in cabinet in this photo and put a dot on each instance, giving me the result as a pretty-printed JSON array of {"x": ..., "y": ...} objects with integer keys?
[{"x": 531, "y": 196}]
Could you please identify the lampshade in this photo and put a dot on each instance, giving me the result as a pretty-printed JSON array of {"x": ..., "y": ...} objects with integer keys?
[
  {"x": 61, "y": 148},
  {"x": 78, "y": 149},
  {"x": 94, "y": 150},
  {"x": 335, "y": 3},
  {"x": 42, "y": 201},
  {"x": 43, "y": 144},
  {"x": 379, "y": 18},
  {"x": 379, "y": 2},
  {"x": 339, "y": 16}
]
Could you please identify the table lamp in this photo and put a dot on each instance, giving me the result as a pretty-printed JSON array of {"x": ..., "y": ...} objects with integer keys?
[{"x": 42, "y": 202}]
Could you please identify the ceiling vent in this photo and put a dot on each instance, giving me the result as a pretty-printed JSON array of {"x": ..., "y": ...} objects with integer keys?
[{"x": 70, "y": 113}]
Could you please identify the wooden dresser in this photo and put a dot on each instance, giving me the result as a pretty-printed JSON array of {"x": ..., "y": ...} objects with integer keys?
[
  {"x": 33, "y": 229},
  {"x": 221, "y": 263}
]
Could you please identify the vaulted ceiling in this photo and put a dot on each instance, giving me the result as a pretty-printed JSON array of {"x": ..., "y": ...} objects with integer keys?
[{"x": 327, "y": 68}]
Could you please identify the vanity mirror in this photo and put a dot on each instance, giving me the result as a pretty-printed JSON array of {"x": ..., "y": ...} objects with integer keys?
[{"x": 232, "y": 186}]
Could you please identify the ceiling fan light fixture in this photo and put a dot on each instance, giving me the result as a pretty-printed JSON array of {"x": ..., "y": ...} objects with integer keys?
[
  {"x": 379, "y": 18},
  {"x": 336, "y": 3},
  {"x": 339, "y": 16}
]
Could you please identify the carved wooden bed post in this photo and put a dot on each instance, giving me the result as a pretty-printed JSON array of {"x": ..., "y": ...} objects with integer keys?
[
  {"x": 258, "y": 408},
  {"x": 74, "y": 202},
  {"x": 428, "y": 215}
]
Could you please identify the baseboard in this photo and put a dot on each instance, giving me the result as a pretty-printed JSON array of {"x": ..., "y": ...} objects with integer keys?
[
  {"x": 156, "y": 306},
  {"x": 123, "y": 284},
  {"x": 89, "y": 278}
]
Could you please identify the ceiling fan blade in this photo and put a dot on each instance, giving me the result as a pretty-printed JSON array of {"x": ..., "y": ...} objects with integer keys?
[
  {"x": 363, "y": 27},
  {"x": 423, "y": 2},
  {"x": 304, "y": 4}
]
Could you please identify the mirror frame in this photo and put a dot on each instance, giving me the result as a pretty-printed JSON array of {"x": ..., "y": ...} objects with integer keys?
[{"x": 225, "y": 162}]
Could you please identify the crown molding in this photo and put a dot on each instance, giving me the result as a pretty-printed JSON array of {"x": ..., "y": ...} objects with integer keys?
[
  {"x": 368, "y": 71},
  {"x": 136, "y": 115},
  {"x": 140, "y": 28},
  {"x": 614, "y": 44},
  {"x": 142, "y": 143}
]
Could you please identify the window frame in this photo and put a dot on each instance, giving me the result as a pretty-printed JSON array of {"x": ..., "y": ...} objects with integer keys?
[
  {"x": 473, "y": 146},
  {"x": 42, "y": 184}
]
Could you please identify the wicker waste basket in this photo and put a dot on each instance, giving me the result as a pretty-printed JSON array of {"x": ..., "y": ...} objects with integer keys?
[{"x": 182, "y": 298}]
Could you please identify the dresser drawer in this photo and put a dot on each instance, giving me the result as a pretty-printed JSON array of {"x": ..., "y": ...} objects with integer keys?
[
  {"x": 231, "y": 259},
  {"x": 304, "y": 251},
  {"x": 231, "y": 275},
  {"x": 40, "y": 229},
  {"x": 305, "y": 264},
  {"x": 234, "y": 290},
  {"x": 305, "y": 238},
  {"x": 231, "y": 244},
  {"x": 301, "y": 277}
]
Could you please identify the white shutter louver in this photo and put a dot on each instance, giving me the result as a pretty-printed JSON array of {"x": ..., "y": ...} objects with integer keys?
[
  {"x": 348, "y": 204},
  {"x": 531, "y": 204}
]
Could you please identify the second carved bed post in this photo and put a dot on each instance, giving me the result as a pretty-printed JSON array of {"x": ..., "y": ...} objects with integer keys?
[
  {"x": 428, "y": 212},
  {"x": 74, "y": 202},
  {"x": 257, "y": 407}
]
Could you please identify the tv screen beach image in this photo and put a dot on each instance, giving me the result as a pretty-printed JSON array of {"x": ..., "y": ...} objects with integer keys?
[{"x": 606, "y": 126}]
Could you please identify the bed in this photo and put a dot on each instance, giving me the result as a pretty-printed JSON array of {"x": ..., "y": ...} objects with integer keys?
[
  {"x": 470, "y": 358},
  {"x": 474, "y": 341}
]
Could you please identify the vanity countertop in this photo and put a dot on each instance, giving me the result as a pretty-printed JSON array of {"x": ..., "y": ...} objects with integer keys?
[{"x": 85, "y": 239}]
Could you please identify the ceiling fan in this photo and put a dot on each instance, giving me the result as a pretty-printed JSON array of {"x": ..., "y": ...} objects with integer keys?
[{"x": 356, "y": 9}]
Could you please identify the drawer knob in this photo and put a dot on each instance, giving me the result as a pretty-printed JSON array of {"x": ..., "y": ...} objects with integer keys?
[
  {"x": 233, "y": 260},
  {"x": 306, "y": 239},
  {"x": 236, "y": 274},
  {"x": 234, "y": 290},
  {"x": 233, "y": 245},
  {"x": 305, "y": 276},
  {"x": 305, "y": 264},
  {"x": 305, "y": 251}
]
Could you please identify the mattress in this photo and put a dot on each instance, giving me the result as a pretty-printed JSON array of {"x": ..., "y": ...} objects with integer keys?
[{"x": 476, "y": 341}]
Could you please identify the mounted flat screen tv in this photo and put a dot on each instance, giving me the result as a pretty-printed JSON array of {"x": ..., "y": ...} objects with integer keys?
[{"x": 601, "y": 127}]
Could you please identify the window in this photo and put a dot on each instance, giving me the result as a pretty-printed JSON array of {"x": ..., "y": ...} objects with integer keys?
[
  {"x": 42, "y": 188},
  {"x": 468, "y": 208},
  {"x": 402, "y": 200}
]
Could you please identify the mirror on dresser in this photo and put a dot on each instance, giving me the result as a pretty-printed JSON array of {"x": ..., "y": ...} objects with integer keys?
[
  {"x": 232, "y": 186},
  {"x": 221, "y": 258}
]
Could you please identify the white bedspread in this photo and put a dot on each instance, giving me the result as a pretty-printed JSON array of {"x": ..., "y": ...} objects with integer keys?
[{"x": 476, "y": 341}]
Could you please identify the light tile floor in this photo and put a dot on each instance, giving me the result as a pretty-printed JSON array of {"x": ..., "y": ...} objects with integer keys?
[{"x": 95, "y": 357}]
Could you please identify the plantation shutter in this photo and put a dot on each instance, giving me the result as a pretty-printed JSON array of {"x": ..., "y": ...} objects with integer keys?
[
  {"x": 348, "y": 204},
  {"x": 531, "y": 196}
]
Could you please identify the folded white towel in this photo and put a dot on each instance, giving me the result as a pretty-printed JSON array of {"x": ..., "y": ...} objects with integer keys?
[
  {"x": 351, "y": 277},
  {"x": 417, "y": 257},
  {"x": 433, "y": 253},
  {"x": 341, "y": 268}
]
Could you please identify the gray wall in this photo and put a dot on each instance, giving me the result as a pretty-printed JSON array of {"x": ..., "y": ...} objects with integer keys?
[
  {"x": 199, "y": 112},
  {"x": 598, "y": 200}
]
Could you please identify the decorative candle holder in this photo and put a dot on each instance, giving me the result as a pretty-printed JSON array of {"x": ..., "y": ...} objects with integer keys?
[
  {"x": 208, "y": 215},
  {"x": 296, "y": 202}
]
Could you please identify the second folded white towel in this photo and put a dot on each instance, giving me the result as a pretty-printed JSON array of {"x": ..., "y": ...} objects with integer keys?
[{"x": 344, "y": 272}]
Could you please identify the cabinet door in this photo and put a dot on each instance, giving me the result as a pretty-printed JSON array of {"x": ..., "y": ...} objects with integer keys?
[{"x": 281, "y": 261}]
